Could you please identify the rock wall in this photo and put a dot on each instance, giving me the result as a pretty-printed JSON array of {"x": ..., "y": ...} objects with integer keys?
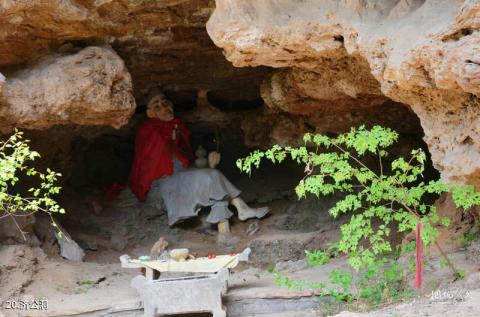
[
  {"x": 92, "y": 86},
  {"x": 341, "y": 54},
  {"x": 163, "y": 43},
  {"x": 338, "y": 63},
  {"x": 38, "y": 27}
]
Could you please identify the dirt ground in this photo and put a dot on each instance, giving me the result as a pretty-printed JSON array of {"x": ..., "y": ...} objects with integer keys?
[
  {"x": 100, "y": 287},
  {"x": 89, "y": 287},
  {"x": 100, "y": 283}
]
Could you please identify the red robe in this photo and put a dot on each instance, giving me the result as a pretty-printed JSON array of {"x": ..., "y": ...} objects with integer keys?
[{"x": 154, "y": 152}]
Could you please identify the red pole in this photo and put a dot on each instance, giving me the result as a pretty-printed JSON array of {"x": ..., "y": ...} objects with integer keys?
[{"x": 419, "y": 262}]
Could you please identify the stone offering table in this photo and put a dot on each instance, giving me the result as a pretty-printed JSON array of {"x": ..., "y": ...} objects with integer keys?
[{"x": 199, "y": 293}]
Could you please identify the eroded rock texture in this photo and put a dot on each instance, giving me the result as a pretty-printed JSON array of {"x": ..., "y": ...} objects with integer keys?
[
  {"x": 337, "y": 55},
  {"x": 163, "y": 43},
  {"x": 89, "y": 87},
  {"x": 339, "y": 63}
]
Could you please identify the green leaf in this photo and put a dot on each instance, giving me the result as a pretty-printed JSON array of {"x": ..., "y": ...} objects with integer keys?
[
  {"x": 317, "y": 257},
  {"x": 465, "y": 196},
  {"x": 16, "y": 166},
  {"x": 380, "y": 204}
]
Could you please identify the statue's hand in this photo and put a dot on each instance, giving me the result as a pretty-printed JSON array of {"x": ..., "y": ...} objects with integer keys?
[{"x": 213, "y": 159}]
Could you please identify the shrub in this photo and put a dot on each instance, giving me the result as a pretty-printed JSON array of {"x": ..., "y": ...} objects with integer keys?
[
  {"x": 389, "y": 196},
  {"x": 16, "y": 166}
]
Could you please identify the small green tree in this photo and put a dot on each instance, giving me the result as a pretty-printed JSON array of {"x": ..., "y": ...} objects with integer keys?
[
  {"x": 389, "y": 196},
  {"x": 16, "y": 159}
]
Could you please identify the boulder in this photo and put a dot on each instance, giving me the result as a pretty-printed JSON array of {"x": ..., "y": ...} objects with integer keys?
[
  {"x": 18, "y": 266},
  {"x": 91, "y": 86},
  {"x": 50, "y": 235}
]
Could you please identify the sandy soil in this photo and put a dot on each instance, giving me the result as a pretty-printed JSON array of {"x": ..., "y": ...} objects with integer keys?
[
  {"x": 87, "y": 287},
  {"x": 100, "y": 283}
]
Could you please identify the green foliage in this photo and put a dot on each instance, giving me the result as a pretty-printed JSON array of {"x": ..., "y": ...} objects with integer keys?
[
  {"x": 467, "y": 238},
  {"x": 297, "y": 285},
  {"x": 381, "y": 280},
  {"x": 379, "y": 200},
  {"x": 16, "y": 160},
  {"x": 465, "y": 196},
  {"x": 317, "y": 257},
  {"x": 461, "y": 274},
  {"x": 389, "y": 197},
  {"x": 343, "y": 280}
]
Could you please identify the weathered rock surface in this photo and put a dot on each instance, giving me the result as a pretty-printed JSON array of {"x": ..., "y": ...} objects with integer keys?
[
  {"x": 265, "y": 252},
  {"x": 340, "y": 63},
  {"x": 10, "y": 229},
  {"x": 275, "y": 248},
  {"x": 49, "y": 235},
  {"x": 265, "y": 128},
  {"x": 18, "y": 266},
  {"x": 163, "y": 43},
  {"x": 69, "y": 249},
  {"x": 337, "y": 55},
  {"x": 92, "y": 86},
  {"x": 37, "y": 27}
]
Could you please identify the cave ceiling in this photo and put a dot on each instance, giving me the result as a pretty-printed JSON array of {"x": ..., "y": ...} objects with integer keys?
[
  {"x": 163, "y": 43},
  {"x": 317, "y": 63}
]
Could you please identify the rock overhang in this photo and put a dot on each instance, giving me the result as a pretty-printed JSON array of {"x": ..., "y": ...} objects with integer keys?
[{"x": 337, "y": 62}]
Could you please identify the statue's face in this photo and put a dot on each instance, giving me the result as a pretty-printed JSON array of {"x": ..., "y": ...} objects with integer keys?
[{"x": 160, "y": 108}]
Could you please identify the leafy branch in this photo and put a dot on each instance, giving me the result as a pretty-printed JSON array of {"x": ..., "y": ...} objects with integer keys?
[
  {"x": 378, "y": 200},
  {"x": 15, "y": 165}
]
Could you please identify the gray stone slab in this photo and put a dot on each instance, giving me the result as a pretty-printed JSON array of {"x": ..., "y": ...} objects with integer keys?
[{"x": 192, "y": 294}]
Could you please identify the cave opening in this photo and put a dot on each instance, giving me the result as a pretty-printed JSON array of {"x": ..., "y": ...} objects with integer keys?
[
  {"x": 227, "y": 109},
  {"x": 76, "y": 77},
  {"x": 105, "y": 219}
]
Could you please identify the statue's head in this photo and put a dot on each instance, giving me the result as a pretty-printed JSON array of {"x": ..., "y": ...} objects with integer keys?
[{"x": 159, "y": 107}]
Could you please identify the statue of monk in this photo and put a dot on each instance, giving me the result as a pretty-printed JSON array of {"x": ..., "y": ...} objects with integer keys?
[{"x": 162, "y": 173}]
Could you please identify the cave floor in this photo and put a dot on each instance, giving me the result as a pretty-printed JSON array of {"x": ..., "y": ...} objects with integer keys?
[
  {"x": 100, "y": 287},
  {"x": 103, "y": 289}
]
